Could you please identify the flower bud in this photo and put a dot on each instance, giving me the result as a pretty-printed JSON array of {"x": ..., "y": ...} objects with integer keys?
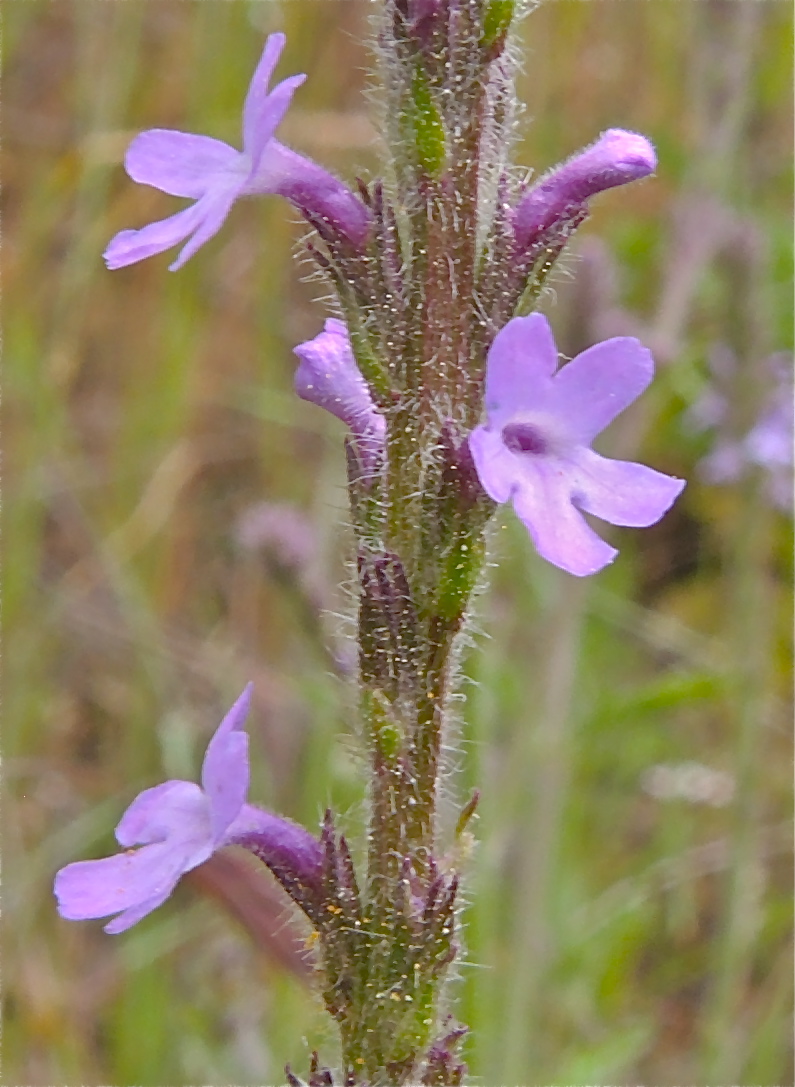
[
  {"x": 616, "y": 158},
  {"x": 329, "y": 377}
]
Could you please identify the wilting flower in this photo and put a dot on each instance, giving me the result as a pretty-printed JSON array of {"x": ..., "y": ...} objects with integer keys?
[
  {"x": 328, "y": 376},
  {"x": 534, "y": 449},
  {"x": 215, "y": 175},
  {"x": 616, "y": 158},
  {"x": 178, "y": 825}
]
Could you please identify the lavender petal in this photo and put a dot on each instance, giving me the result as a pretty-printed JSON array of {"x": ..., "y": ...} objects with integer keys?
[
  {"x": 134, "y": 914},
  {"x": 258, "y": 88},
  {"x": 130, "y": 246},
  {"x": 225, "y": 771},
  {"x": 175, "y": 808},
  {"x": 495, "y": 465},
  {"x": 178, "y": 163},
  {"x": 270, "y": 116},
  {"x": 597, "y": 385},
  {"x": 543, "y": 503},
  {"x": 215, "y": 208},
  {"x": 98, "y": 888},
  {"x": 521, "y": 363},
  {"x": 622, "y": 492}
]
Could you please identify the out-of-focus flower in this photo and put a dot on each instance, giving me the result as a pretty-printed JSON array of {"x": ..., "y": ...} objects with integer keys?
[
  {"x": 284, "y": 532},
  {"x": 767, "y": 445},
  {"x": 616, "y": 158},
  {"x": 689, "y": 781},
  {"x": 328, "y": 376},
  {"x": 215, "y": 175},
  {"x": 534, "y": 449},
  {"x": 177, "y": 826}
]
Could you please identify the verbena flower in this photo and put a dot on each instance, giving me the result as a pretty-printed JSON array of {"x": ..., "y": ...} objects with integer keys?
[
  {"x": 328, "y": 376},
  {"x": 767, "y": 445},
  {"x": 616, "y": 158},
  {"x": 178, "y": 825},
  {"x": 215, "y": 175},
  {"x": 534, "y": 449}
]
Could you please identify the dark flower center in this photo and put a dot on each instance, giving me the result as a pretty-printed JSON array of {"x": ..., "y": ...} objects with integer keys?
[{"x": 524, "y": 438}]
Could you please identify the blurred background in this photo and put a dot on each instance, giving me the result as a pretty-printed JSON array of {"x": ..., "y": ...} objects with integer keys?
[{"x": 175, "y": 527}]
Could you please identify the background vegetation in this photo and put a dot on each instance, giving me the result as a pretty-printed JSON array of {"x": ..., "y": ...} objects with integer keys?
[{"x": 175, "y": 526}]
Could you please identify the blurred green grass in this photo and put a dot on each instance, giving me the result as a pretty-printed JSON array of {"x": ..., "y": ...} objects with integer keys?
[{"x": 613, "y": 935}]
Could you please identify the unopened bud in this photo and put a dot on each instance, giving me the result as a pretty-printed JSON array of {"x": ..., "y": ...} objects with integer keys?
[{"x": 616, "y": 158}]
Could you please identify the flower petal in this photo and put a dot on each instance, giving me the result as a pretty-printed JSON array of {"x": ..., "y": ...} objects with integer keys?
[
  {"x": 622, "y": 492},
  {"x": 597, "y": 385},
  {"x": 130, "y": 246},
  {"x": 178, "y": 163},
  {"x": 134, "y": 914},
  {"x": 270, "y": 115},
  {"x": 98, "y": 888},
  {"x": 215, "y": 208},
  {"x": 258, "y": 87},
  {"x": 174, "y": 810},
  {"x": 561, "y": 535},
  {"x": 496, "y": 466},
  {"x": 520, "y": 364},
  {"x": 225, "y": 771},
  {"x": 202, "y": 220}
]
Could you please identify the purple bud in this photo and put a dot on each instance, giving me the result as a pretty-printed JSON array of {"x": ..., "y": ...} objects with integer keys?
[
  {"x": 329, "y": 377},
  {"x": 616, "y": 158}
]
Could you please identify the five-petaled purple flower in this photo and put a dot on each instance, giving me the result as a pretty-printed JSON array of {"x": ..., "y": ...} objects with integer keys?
[
  {"x": 328, "y": 376},
  {"x": 215, "y": 175},
  {"x": 178, "y": 825},
  {"x": 616, "y": 158},
  {"x": 534, "y": 449}
]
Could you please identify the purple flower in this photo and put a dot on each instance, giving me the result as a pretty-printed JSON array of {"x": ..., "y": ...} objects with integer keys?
[
  {"x": 616, "y": 158},
  {"x": 214, "y": 175},
  {"x": 535, "y": 448},
  {"x": 178, "y": 825},
  {"x": 328, "y": 376},
  {"x": 768, "y": 444}
]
